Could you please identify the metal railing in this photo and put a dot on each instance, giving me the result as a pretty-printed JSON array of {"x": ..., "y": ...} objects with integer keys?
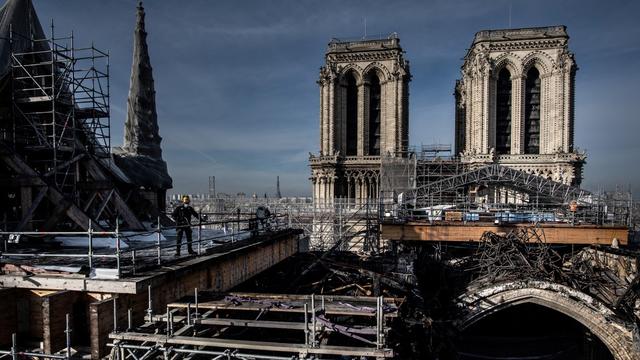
[
  {"x": 16, "y": 354},
  {"x": 133, "y": 254},
  {"x": 180, "y": 316}
]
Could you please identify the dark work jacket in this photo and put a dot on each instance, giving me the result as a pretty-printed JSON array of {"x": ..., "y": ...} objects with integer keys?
[{"x": 183, "y": 213}]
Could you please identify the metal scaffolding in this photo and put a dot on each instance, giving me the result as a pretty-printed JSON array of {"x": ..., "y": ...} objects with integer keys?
[
  {"x": 226, "y": 326},
  {"x": 342, "y": 224},
  {"x": 59, "y": 105}
]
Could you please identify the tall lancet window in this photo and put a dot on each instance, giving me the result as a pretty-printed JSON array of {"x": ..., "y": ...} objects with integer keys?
[
  {"x": 374, "y": 114},
  {"x": 532, "y": 112},
  {"x": 503, "y": 112},
  {"x": 352, "y": 115}
]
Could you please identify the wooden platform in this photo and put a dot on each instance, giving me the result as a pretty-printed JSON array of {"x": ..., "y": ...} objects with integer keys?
[{"x": 469, "y": 232}]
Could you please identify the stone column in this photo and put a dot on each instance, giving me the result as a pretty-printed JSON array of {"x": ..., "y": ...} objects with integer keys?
[
  {"x": 476, "y": 116},
  {"x": 372, "y": 187},
  {"x": 324, "y": 130},
  {"x": 548, "y": 135},
  {"x": 332, "y": 118},
  {"x": 491, "y": 98},
  {"x": 365, "y": 190},
  {"x": 340, "y": 111},
  {"x": 468, "y": 116},
  {"x": 321, "y": 116},
  {"x": 485, "y": 112},
  {"x": 332, "y": 184},
  {"x": 517, "y": 114},
  {"x": 362, "y": 101},
  {"x": 386, "y": 120},
  {"x": 374, "y": 181},
  {"x": 399, "y": 125},
  {"x": 314, "y": 186},
  {"x": 567, "y": 123}
]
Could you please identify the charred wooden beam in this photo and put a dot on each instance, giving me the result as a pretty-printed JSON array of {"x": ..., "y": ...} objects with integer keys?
[
  {"x": 15, "y": 162},
  {"x": 121, "y": 206},
  {"x": 28, "y": 215}
]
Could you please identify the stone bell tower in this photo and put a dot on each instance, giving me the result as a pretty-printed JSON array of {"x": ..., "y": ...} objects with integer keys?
[
  {"x": 364, "y": 95},
  {"x": 515, "y": 103}
]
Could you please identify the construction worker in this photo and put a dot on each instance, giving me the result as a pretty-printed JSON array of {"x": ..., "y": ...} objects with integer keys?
[{"x": 182, "y": 216}]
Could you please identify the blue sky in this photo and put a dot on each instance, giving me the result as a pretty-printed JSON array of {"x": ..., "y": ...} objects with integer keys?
[{"x": 236, "y": 80}]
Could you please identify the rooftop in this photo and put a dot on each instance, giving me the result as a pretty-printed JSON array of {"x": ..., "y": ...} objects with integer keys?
[
  {"x": 378, "y": 42},
  {"x": 521, "y": 34}
]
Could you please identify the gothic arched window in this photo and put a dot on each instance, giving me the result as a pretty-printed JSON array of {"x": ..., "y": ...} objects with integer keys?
[
  {"x": 503, "y": 112},
  {"x": 374, "y": 114},
  {"x": 352, "y": 115},
  {"x": 532, "y": 112}
]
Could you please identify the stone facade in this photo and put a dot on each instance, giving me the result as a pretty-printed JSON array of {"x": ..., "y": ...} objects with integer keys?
[
  {"x": 515, "y": 103},
  {"x": 363, "y": 116}
]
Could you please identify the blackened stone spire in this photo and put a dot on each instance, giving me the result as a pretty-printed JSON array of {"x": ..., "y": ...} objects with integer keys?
[
  {"x": 140, "y": 158},
  {"x": 141, "y": 136}
]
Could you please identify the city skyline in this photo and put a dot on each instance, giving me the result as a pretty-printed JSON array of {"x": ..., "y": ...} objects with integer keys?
[{"x": 236, "y": 89}]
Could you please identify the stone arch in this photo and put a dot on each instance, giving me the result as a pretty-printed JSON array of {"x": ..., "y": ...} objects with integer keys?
[
  {"x": 355, "y": 69},
  {"x": 511, "y": 62},
  {"x": 381, "y": 70},
  {"x": 542, "y": 61},
  {"x": 373, "y": 111},
  {"x": 619, "y": 336},
  {"x": 349, "y": 95},
  {"x": 502, "y": 98}
]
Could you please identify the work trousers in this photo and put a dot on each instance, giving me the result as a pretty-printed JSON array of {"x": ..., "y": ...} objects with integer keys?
[{"x": 186, "y": 231}]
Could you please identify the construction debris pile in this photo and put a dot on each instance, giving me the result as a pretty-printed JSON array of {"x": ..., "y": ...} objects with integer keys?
[{"x": 607, "y": 274}]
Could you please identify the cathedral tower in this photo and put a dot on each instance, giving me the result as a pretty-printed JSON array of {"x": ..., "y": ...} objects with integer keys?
[
  {"x": 363, "y": 116},
  {"x": 515, "y": 103}
]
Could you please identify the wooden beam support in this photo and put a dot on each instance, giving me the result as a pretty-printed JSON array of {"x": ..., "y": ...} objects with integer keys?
[
  {"x": 104, "y": 203},
  {"x": 470, "y": 232},
  {"x": 55, "y": 307},
  {"x": 26, "y": 218},
  {"x": 26, "y": 198},
  {"x": 19, "y": 181},
  {"x": 90, "y": 201},
  {"x": 64, "y": 165},
  {"x": 21, "y": 168},
  {"x": 121, "y": 206}
]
